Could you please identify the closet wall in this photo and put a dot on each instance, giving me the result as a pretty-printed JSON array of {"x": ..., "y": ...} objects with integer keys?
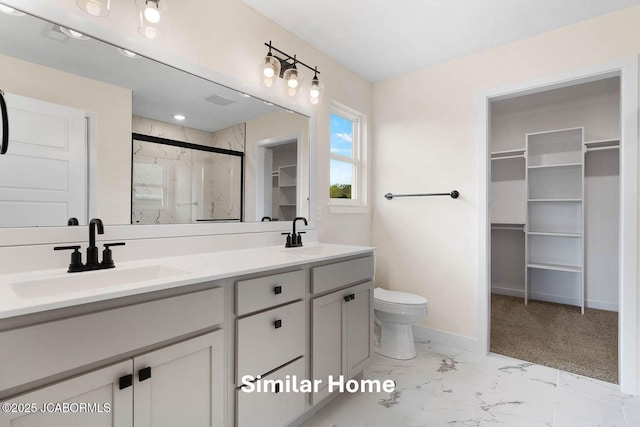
[{"x": 595, "y": 107}]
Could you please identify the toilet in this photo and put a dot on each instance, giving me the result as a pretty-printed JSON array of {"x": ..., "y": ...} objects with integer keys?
[{"x": 395, "y": 313}]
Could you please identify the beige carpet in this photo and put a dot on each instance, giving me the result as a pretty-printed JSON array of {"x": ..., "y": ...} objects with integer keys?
[{"x": 556, "y": 335}]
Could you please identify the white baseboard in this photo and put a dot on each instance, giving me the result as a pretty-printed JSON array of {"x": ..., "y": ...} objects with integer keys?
[
  {"x": 420, "y": 333},
  {"x": 600, "y": 305}
]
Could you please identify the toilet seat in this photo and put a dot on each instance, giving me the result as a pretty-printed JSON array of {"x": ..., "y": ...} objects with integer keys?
[{"x": 396, "y": 297}]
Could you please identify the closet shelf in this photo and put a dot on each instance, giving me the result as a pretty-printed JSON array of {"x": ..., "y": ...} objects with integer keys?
[
  {"x": 555, "y": 234},
  {"x": 555, "y": 267},
  {"x": 560, "y": 165}
]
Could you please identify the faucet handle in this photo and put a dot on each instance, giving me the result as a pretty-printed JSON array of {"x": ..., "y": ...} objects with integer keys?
[
  {"x": 299, "y": 238},
  {"x": 289, "y": 240},
  {"x": 107, "y": 255},
  {"x": 76, "y": 257}
]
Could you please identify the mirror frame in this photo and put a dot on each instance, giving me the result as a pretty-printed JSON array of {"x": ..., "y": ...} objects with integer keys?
[{"x": 47, "y": 235}]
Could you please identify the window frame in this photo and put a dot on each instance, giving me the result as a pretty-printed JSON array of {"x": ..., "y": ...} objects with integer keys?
[{"x": 358, "y": 201}]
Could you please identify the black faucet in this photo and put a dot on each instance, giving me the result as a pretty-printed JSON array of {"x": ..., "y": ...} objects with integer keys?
[
  {"x": 294, "y": 239},
  {"x": 92, "y": 251}
]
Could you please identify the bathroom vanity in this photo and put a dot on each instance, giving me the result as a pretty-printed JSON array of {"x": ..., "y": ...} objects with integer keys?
[{"x": 168, "y": 341}]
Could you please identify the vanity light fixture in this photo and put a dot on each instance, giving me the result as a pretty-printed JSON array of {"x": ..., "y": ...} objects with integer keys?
[
  {"x": 152, "y": 16},
  {"x": 10, "y": 11},
  {"x": 73, "y": 33},
  {"x": 95, "y": 7},
  {"x": 286, "y": 67},
  {"x": 179, "y": 117}
]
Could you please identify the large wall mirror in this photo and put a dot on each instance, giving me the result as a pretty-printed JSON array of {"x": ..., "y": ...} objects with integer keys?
[{"x": 98, "y": 131}]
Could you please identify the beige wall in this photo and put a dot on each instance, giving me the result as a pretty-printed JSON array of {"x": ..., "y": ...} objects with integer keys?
[
  {"x": 112, "y": 108},
  {"x": 426, "y": 140}
]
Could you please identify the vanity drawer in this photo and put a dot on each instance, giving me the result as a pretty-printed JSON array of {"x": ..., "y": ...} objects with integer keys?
[
  {"x": 270, "y": 339},
  {"x": 268, "y": 291},
  {"x": 333, "y": 276},
  {"x": 269, "y": 408},
  {"x": 36, "y": 352}
]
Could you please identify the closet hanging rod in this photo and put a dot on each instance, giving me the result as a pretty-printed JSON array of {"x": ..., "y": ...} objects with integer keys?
[
  {"x": 608, "y": 147},
  {"x": 454, "y": 195}
]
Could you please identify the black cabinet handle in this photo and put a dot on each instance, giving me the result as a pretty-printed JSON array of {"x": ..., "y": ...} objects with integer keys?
[
  {"x": 5, "y": 124},
  {"x": 349, "y": 297},
  {"x": 126, "y": 381},
  {"x": 144, "y": 374},
  {"x": 277, "y": 290},
  {"x": 277, "y": 324},
  {"x": 277, "y": 388}
]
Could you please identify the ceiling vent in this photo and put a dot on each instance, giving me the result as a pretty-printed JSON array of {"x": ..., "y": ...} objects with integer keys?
[{"x": 219, "y": 100}]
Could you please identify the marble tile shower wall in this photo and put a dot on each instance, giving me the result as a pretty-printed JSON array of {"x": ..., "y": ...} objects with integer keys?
[
  {"x": 179, "y": 185},
  {"x": 231, "y": 138}
]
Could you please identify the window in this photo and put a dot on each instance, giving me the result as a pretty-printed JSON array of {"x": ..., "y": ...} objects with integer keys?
[{"x": 346, "y": 165}]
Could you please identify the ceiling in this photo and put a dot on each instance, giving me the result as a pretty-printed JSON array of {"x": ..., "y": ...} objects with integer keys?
[
  {"x": 158, "y": 91},
  {"x": 380, "y": 39}
]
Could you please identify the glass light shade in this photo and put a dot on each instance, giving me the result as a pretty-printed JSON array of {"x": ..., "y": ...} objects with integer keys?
[
  {"x": 95, "y": 7},
  {"x": 293, "y": 82},
  {"x": 270, "y": 70},
  {"x": 315, "y": 91},
  {"x": 10, "y": 11},
  {"x": 152, "y": 16}
]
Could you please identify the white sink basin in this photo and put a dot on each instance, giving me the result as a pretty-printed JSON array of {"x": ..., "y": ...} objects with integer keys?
[{"x": 92, "y": 280}]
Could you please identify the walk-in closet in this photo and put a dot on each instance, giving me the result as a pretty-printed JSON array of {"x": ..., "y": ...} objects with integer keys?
[{"x": 555, "y": 197}]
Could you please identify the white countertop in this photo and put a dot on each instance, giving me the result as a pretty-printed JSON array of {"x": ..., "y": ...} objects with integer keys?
[{"x": 38, "y": 291}]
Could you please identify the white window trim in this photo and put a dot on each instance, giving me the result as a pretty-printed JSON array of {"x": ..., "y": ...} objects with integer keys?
[{"x": 358, "y": 204}]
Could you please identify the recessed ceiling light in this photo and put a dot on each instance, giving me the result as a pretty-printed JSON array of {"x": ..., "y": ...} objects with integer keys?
[
  {"x": 128, "y": 53},
  {"x": 95, "y": 7},
  {"x": 179, "y": 117},
  {"x": 10, "y": 11},
  {"x": 244, "y": 95},
  {"x": 73, "y": 33}
]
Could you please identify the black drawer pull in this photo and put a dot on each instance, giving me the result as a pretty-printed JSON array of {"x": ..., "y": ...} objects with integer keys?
[
  {"x": 144, "y": 374},
  {"x": 277, "y": 323},
  {"x": 349, "y": 297},
  {"x": 277, "y": 388},
  {"x": 126, "y": 381},
  {"x": 277, "y": 290}
]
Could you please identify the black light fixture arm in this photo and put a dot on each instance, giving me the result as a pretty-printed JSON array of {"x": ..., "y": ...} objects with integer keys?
[{"x": 284, "y": 62}]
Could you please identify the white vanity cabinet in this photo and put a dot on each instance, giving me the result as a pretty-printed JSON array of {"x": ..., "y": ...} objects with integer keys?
[
  {"x": 151, "y": 384},
  {"x": 177, "y": 356},
  {"x": 271, "y": 343},
  {"x": 167, "y": 387},
  {"x": 101, "y": 387},
  {"x": 342, "y": 321}
]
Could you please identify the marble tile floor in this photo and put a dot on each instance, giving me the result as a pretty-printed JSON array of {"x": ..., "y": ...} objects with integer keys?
[{"x": 444, "y": 386}]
